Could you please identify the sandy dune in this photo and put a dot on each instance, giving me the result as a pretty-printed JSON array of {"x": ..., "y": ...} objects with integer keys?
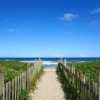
[{"x": 48, "y": 87}]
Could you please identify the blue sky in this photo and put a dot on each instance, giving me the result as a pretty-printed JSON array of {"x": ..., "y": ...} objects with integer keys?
[{"x": 49, "y": 28}]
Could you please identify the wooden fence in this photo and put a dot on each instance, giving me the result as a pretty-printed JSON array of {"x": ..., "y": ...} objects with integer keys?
[
  {"x": 1, "y": 83},
  {"x": 12, "y": 89},
  {"x": 86, "y": 89}
]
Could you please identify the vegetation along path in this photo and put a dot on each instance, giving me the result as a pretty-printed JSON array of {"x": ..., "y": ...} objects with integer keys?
[{"x": 48, "y": 87}]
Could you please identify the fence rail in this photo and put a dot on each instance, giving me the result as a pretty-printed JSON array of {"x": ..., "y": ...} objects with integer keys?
[
  {"x": 86, "y": 89},
  {"x": 12, "y": 89}
]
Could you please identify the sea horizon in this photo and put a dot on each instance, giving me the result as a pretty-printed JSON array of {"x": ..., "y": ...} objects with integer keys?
[{"x": 51, "y": 61}]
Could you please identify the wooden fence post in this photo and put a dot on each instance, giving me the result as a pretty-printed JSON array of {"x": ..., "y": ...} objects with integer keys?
[
  {"x": 99, "y": 86},
  {"x": 73, "y": 73},
  {"x": 96, "y": 89},
  {"x": 93, "y": 92},
  {"x": 65, "y": 62},
  {"x": 84, "y": 87},
  {"x": 1, "y": 84}
]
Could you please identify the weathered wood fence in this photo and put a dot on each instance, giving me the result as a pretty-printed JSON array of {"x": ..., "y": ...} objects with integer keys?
[
  {"x": 86, "y": 89},
  {"x": 12, "y": 89}
]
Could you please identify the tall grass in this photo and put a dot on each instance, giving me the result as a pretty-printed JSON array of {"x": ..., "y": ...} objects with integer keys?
[
  {"x": 90, "y": 69},
  {"x": 12, "y": 69}
]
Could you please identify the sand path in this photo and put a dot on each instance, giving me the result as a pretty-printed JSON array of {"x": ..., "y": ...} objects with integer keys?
[{"x": 48, "y": 88}]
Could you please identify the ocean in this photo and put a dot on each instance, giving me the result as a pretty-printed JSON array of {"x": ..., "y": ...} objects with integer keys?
[{"x": 52, "y": 62}]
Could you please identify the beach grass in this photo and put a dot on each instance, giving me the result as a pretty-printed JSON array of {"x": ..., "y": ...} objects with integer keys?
[
  {"x": 91, "y": 69},
  {"x": 12, "y": 68}
]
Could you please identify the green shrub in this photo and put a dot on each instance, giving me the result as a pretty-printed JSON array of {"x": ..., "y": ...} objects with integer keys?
[
  {"x": 9, "y": 75},
  {"x": 90, "y": 69},
  {"x": 24, "y": 95},
  {"x": 12, "y": 68}
]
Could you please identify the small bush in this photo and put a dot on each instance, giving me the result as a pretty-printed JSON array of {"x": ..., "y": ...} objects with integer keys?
[
  {"x": 24, "y": 95},
  {"x": 12, "y": 68}
]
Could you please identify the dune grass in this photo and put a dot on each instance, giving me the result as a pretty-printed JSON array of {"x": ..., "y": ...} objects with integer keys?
[
  {"x": 11, "y": 68},
  {"x": 90, "y": 69}
]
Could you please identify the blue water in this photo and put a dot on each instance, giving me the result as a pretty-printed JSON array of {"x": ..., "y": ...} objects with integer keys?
[
  {"x": 52, "y": 62},
  {"x": 53, "y": 59}
]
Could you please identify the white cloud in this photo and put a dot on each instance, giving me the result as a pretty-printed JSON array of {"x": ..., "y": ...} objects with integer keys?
[
  {"x": 97, "y": 10},
  {"x": 11, "y": 30},
  {"x": 95, "y": 23},
  {"x": 69, "y": 17}
]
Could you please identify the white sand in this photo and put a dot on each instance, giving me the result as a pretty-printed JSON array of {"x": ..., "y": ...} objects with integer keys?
[{"x": 48, "y": 87}]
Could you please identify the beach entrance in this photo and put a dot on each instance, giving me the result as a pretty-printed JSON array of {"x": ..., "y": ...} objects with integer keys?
[{"x": 48, "y": 88}]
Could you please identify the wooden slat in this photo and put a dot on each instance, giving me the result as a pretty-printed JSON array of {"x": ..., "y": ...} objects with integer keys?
[
  {"x": 18, "y": 88},
  {"x": 12, "y": 89},
  {"x": 9, "y": 90},
  {"x": 20, "y": 83},
  {"x": 99, "y": 86},
  {"x": 15, "y": 87},
  {"x": 7, "y": 97},
  {"x": 3, "y": 92},
  {"x": 1, "y": 82}
]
